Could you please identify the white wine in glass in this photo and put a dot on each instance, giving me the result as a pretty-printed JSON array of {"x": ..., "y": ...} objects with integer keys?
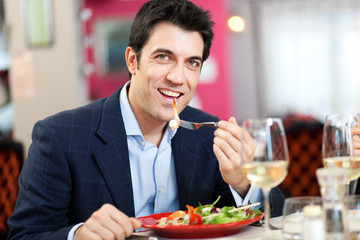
[
  {"x": 271, "y": 159},
  {"x": 351, "y": 164},
  {"x": 341, "y": 144}
]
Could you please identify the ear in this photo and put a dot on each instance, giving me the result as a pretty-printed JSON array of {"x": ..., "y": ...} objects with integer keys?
[{"x": 130, "y": 57}]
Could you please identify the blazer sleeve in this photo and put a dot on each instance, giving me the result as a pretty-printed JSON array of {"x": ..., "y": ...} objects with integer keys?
[
  {"x": 41, "y": 211},
  {"x": 276, "y": 199}
]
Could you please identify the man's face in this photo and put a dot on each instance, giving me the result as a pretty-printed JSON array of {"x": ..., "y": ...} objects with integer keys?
[{"x": 169, "y": 68}]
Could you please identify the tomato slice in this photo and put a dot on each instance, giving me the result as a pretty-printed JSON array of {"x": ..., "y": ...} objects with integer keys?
[{"x": 195, "y": 219}]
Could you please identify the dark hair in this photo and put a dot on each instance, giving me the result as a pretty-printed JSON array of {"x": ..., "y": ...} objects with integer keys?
[{"x": 181, "y": 13}]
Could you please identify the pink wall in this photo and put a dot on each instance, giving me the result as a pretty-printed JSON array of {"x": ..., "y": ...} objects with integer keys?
[
  {"x": 214, "y": 97},
  {"x": 102, "y": 86}
]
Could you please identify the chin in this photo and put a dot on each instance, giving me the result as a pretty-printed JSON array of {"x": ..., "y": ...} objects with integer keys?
[{"x": 166, "y": 118}]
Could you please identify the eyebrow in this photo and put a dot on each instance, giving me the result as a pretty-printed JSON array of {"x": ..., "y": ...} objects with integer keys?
[
  {"x": 162, "y": 50},
  {"x": 167, "y": 51}
]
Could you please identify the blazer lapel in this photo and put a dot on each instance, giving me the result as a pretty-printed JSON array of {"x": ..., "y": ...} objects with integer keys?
[{"x": 113, "y": 157}]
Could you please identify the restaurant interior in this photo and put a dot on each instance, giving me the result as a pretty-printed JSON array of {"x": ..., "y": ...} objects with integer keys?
[{"x": 295, "y": 60}]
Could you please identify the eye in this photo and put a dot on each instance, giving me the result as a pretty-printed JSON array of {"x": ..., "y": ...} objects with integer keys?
[
  {"x": 163, "y": 56},
  {"x": 194, "y": 63}
]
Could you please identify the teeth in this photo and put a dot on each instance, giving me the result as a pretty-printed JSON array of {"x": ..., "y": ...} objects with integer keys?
[{"x": 169, "y": 93}]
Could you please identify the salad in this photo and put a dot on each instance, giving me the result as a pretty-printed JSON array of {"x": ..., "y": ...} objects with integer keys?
[{"x": 208, "y": 214}]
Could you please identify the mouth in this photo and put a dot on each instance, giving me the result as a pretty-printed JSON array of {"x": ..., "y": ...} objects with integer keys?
[{"x": 169, "y": 93}]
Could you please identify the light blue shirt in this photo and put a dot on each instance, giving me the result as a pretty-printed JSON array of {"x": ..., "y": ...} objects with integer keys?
[
  {"x": 153, "y": 170},
  {"x": 6, "y": 119}
]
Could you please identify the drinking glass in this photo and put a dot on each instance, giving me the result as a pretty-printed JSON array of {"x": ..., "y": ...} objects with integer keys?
[
  {"x": 341, "y": 144},
  {"x": 333, "y": 190},
  {"x": 270, "y": 164},
  {"x": 353, "y": 216},
  {"x": 293, "y": 215}
]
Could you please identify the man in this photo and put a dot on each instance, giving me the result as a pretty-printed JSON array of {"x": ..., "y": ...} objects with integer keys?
[{"x": 92, "y": 169}]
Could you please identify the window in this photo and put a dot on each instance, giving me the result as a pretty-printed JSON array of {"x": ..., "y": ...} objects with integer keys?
[{"x": 309, "y": 56}]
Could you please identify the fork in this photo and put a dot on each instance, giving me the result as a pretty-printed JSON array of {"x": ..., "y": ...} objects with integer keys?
[
  {"x": 261, "y": 223},
  {"x": 196, "y": 126}
]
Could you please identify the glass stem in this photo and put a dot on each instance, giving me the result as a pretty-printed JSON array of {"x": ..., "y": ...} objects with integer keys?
[
  {"x": 267, "y": 212},
  {"x": 351, "y": 186},
  {"x": 348, "y": 189}
]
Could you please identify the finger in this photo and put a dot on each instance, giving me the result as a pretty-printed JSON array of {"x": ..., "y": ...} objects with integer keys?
[
  {"x": 355, "y": 131},
  {"x": 224, "y": 150},
  {"x": 119, "y": 224},
  {"x": 243, "y": 133},
  {"x": 248, "y": 152},
  {"x": 83, "y": 233},
  {"x": 233, "y": 120},
  {"x": 110, "y": 223},
  {"x": 135, "y": 223},
  {"x": 98, "y": 223},
  {"x": 356, "y": 141},
  {"x": 249, "y": 145},
  {"x": 357, "y": 152},
  {"x": 227, "y": 142},
  {"x": 231, "y": 127},
  {"x": 242, "y": 144},
  {"x": 95, "y": 230},
  {"x": 231, "y": 132},
  {"x": 356, "y": 148},
  {"x": 246, "y": 147},
  {"x": 237, "y": 131},
  {"x": 356, "y": 138},
  {"x": 118, "y": 229},
  {"x": 247, "y": 138},
  {"x": 218, "y": 153}
]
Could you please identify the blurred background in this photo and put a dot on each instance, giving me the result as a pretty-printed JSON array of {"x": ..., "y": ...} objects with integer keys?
[
  {"x": 283, "y": 58},
  {"x": 293, "y": 59}
]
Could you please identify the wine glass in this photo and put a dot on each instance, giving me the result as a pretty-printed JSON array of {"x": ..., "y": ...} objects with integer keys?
[
  {"x": 341, "y": 144},
  {"x": 270, "y": 164}
]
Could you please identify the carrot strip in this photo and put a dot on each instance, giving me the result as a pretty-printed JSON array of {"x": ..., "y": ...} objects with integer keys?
[{"x": 175, "y": 110}]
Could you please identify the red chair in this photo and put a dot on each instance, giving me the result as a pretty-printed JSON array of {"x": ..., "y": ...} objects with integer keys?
[
  {"x": 11, "y": 161},
  {"x": 304, "y": 142}
]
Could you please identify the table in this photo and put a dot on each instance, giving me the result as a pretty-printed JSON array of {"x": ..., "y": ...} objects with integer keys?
[{"x": 248, "y": 232}]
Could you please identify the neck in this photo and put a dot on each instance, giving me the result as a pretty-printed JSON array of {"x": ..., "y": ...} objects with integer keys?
[
  {"x": 151, "y": 128},
  {"x": 153, "y": 131}
]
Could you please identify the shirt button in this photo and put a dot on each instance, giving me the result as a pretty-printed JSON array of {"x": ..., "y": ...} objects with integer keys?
[
  {"x": 160, "y": 189},
  {"x": 143, "y": 143}
]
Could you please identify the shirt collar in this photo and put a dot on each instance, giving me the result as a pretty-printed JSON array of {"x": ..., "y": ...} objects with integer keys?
[{"x": 131, "y": 125}]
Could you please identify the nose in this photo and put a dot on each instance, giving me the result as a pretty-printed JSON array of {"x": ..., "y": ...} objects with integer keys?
[{"x": 176, "y": 74}]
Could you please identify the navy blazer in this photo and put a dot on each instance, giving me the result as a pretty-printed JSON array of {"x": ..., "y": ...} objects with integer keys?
[{"x": 79, "y": 160}]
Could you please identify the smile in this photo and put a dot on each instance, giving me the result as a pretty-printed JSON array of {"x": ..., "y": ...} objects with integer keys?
[{"x": 169, "y": 93}]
